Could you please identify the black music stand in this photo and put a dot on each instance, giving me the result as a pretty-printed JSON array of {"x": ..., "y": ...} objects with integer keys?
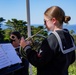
[{"x": 10, "y": 69}]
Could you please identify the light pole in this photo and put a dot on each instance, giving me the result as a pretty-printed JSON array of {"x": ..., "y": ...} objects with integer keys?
[
  {"x": 28, "y": 17},
  {"x": 28, "y": 28}
]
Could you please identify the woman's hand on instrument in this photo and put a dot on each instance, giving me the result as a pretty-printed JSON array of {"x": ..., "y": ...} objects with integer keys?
[{"x": 24, "y": 42}]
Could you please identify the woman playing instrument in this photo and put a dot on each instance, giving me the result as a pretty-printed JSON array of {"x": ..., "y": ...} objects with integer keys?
[{"x": 57, "y": 51}]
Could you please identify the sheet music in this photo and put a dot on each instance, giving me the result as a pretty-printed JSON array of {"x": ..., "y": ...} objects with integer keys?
[
  {"x": 3, "y": 59},
  {"x": 8, "y": 55}
]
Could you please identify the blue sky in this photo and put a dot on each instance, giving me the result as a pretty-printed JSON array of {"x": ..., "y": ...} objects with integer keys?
[{"x": 17, "y": 9}]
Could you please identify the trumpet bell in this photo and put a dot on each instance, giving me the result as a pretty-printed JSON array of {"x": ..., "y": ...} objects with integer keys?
[{"x": 37, "y": 41}]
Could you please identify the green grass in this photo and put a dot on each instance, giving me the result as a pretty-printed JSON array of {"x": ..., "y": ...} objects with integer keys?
[
  {"x": 34, "y": 70},
  {"x": 72, "y": 69}
]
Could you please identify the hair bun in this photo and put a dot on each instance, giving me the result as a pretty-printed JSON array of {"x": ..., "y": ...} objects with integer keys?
[{"x": 67, "y": 18}]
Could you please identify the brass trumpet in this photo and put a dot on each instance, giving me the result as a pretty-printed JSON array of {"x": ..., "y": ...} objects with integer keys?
[{"x": 36, "y": 41}]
